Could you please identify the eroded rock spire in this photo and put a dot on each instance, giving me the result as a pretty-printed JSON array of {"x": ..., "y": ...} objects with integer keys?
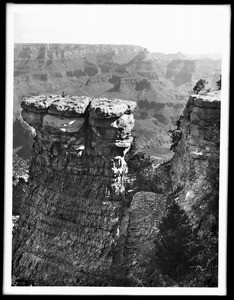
[{"x": 69, "y": 226}]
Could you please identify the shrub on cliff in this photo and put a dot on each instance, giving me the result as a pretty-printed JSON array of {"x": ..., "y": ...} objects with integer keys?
[
  {"x": 144, "y": 175},
  {"x": 219, "y": 83},
  {"x": 200, "y": 86},
  {"x": 139, "y": 161},
  {"x": 175, "y": 134},
  {"x": 139, "y": 165}
]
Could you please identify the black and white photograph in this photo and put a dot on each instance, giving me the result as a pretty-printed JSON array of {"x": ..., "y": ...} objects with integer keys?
[{"x": 116, "y": 147}]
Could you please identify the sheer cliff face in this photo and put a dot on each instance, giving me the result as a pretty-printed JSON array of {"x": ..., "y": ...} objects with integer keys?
[
  {"x": 70, "y": 224},
  {"x": 195, "y": 164}
]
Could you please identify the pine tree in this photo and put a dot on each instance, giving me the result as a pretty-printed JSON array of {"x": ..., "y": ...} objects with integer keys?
[
  {"x": 181, "y": 256},
  {"x": 172, "y": 248}
]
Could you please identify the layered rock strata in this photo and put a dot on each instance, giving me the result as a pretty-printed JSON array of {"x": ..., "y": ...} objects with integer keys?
[
  {"x": 76, "y": 228},
  {"x": 195, "y": 164},
  {"x": 70, "y": 224}
]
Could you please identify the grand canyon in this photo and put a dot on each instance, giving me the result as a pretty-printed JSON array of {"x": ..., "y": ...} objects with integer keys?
[{"x": 116, "y": 167}]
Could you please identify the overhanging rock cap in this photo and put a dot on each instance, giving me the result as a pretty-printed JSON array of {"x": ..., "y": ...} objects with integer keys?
[{"x": 56, "y": 104}]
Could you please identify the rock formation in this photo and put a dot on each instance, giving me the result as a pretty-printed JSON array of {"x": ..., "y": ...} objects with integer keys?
[
  {"x": 190, "y": 178},
  {"x": 195, "y": 164},
  {"x": 77, "y": 227},
  {"x": 70, "y": 224}
]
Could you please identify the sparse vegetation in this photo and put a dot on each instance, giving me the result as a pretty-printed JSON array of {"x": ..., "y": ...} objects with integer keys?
[
  {"x": 176, "y": 135},
  {"x": 139, "y": 171},
  {"x": 200, "y": 86},
  {"x": 143, "y": 174},
  {"x": 219, "y": 82}
]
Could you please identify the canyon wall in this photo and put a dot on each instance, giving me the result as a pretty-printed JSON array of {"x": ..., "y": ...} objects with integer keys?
[{"x": 195, "y": 164}]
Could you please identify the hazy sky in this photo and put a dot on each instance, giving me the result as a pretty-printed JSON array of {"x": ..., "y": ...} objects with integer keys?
[{"x": 191, "y": 29}]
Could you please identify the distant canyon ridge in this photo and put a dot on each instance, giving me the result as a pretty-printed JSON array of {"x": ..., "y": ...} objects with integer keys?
[{"x": 159, "y": 83}]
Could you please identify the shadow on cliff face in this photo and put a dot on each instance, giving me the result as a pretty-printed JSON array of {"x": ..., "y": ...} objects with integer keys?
[{"x": 22, "y": 137}]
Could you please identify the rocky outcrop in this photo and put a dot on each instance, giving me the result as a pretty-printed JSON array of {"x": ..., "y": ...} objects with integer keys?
[
  {"x": 145, "y": 213},
  {"x": 193, "y": 172},
  {"x": 195, "y": 164},
  {"x": 72, "y": 212},
  {"x": 190, "y": 179}
]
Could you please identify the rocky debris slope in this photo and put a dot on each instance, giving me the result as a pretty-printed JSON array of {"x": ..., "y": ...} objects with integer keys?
[{"x": 70, "y": 222}]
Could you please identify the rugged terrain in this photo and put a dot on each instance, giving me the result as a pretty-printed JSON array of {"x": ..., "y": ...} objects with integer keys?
[
  {"x": 84, "y": 221},
  {"x": 159, "y": 83}
]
